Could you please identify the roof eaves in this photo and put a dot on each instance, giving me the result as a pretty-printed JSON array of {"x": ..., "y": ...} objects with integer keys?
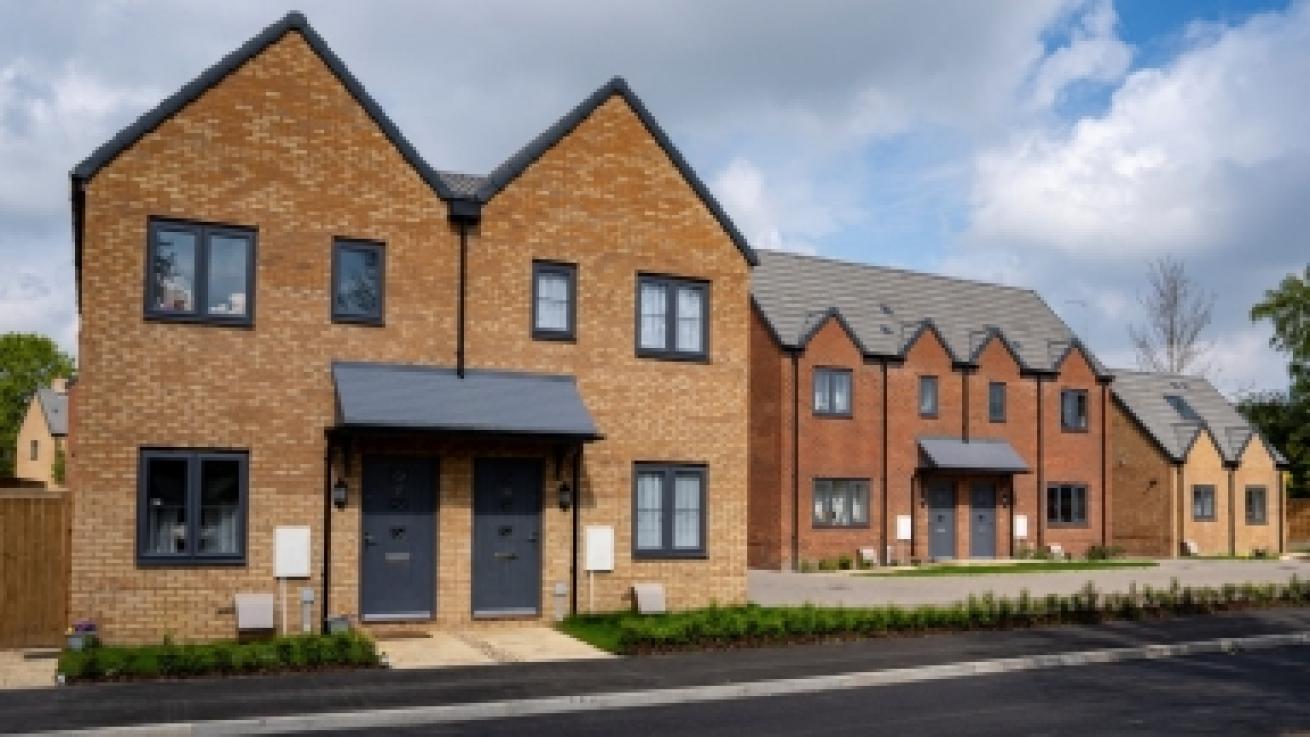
[{"x": 515, "y": 165}]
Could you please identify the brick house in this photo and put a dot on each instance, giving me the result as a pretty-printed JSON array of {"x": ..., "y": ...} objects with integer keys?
[
  {"x": 43, "y": 434},
  {"x": 906, "y": 416},
  {"x": 290, "y": 320},
  {"x": 1190, "y": 474}
]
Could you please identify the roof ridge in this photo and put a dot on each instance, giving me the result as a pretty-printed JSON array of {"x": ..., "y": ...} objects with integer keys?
[{"x": 895, "y": 269}]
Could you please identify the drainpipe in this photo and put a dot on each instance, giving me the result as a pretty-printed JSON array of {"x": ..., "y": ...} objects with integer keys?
[
  {"x": 327, "y": 529},
  {"x": 1232, "y": 513},
  {"x": 1041, "y": 468},
  {"x": 1182, "y": 510},
  {"x": 883, "y": 463},
  {"x": 796, "y": 460},
  {"x": 463, "y": 288},
  {"x": 1282, "y": 506},
  {"x": 964, "y": 404},
  {"x": 577, "y": 501},
  {"x": 1105, "y": 509}
]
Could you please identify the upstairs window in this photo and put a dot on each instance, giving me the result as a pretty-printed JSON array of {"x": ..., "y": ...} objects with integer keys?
[
  {"x": 672, "y": 318},
  {"x": 554, "y": 300},
  {"x": 1203, "y": 503},
  {"x": 1073, "y": 410},
  {"x": 996, "y": 401},
  {"x": 1066, "y": 505},
  {"x": 200, "y": 273},
  {"x": 358, "y": 282},
  {"x": 1257, "y": 511},
  {"x": 192, "y": 507},
  {"x": 35, "y": 450},
  {"x": 927, "y": 396},
  {"x": 832, "y": 392}
]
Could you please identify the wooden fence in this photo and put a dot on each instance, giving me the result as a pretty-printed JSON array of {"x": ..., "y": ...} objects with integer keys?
[
  {"x": 34, "y": 566},
  {"x": 1298, "y": 523}
]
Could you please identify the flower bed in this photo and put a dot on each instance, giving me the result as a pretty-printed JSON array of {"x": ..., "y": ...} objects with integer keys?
[{"x": 169, "y": 660}]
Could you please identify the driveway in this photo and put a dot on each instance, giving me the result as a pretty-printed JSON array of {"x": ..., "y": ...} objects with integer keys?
[{"x": 785, "y": 588}]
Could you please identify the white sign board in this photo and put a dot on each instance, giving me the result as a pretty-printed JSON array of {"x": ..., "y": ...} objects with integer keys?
[
  {"x": 291, "y": 552},
  {"x": 600, "y": 548},
  {"x": 1020, "y": 527},
  {"x": 904, "y": 527}
]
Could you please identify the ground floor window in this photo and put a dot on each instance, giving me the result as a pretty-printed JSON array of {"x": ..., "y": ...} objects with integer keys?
[
  {"x": 192, "y": 506},
  {"x": 1203, "y": 503},
  {"x": 1257, "y": 512},
  {"x": 668, "y": 510},
  {"x": 1066, "y": 505},
  {"x": 841, "y": 502}
]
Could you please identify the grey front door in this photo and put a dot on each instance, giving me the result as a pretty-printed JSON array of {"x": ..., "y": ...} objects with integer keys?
[
  {"x": 941, "y": 520},
  {"x": 506, "y": 536},
  {"x": 397, "y": 562},
  {"x": 982, "y": 528}
]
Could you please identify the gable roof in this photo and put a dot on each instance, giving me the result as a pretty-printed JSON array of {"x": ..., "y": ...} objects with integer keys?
[
  {"x": 515, "y": 165},
  {"x": 54, "y": 406},
  {"x": 888, "y": 309},
  {"x": 1145, "y": 396}
]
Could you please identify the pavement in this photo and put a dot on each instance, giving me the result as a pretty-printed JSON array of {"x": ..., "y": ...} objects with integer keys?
[
  {"x": 27, "y": 668},
  {"x": 787, "y": 588},
  {"x": 485, "y": 646},
  {"x": 262, "y": 701}
]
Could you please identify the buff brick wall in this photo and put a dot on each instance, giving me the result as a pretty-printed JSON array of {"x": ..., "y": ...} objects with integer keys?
[
  {"x": 1256, "y": 468},
  {"x": 280, "y": 146},
  {"x": 1205, "y": 466},
  {"x": 34, "y": 427},
  {"x": 1143, "y": 479}
]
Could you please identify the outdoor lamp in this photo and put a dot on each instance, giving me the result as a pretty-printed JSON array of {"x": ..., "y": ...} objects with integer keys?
[
  {"x": 565, "y": 496},
  {"x": 339, "y": 491}
]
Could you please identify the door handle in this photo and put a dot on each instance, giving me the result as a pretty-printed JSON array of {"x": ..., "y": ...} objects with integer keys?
[{"x": 507, "y": 556}]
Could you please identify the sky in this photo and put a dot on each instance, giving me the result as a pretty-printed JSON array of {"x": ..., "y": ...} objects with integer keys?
[{"x": 1054, "y": 144}]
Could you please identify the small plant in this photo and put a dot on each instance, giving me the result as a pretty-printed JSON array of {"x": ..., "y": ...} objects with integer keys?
[
  {"x": 844, "y": 562},
  {"x": 1104, "y": 552},
  {"x": 806, "y": 566},
  {"x": 827, "y": 565}
]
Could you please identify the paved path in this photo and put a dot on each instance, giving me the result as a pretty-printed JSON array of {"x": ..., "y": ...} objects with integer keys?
[
  {"x": 485, "y": 646},
  {"x": 784, "y": 588},
  {"x": 26, "y": 668}
]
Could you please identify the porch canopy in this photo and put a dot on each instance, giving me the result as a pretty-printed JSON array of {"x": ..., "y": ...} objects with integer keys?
[
  {"x": 981, "y": 456},
  {"x": 427, "y": 398}
]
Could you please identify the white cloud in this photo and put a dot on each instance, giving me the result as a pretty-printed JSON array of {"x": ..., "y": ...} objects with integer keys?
[{"x": 1094, "y": 53}]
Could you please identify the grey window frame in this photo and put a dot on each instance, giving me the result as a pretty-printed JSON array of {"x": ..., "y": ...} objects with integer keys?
[
  {"x": 35, "y": 450},
  {"x": 570, "y": 272},
  {"x": 1263, "y": 517},
  {"x": 202, "y": 232},
  {"x": 831, "y": 411},
  {"x": 670, "y": 472},
  {"x": 852, "y": 483},
  {"x": 193, "y": 457},
  {"x": 1080, "y": 424},
  {"x": 1073, "y": 490},
  {"x": 924, "y": 382},
  {"x": 343, "y": 243},
  {"x": 671, "y": 285},
  {"x": 1197, "y": 515},
  {"x": 993, "y": 413}
]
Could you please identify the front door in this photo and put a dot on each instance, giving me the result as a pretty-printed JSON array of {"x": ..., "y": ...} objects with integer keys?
[
  {"x": 982, "y": 529},
  {"x": 941, "y": 520},
  {"x": 506, "y": 537},
  {"x": 397, "y": 563}
]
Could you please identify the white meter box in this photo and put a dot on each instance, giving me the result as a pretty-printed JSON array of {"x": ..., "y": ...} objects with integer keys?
[
  {"x": 291, "y": 552},
  {"x": 600, "y": 548}
]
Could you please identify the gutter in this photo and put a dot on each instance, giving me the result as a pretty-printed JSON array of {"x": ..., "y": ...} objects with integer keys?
[
  {"x": 1041, "y": 466},
  {"x": 883, "y": 463},
  {"x": 464, "y": 213}
]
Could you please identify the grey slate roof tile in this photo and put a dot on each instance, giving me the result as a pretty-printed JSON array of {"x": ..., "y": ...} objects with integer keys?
[
  {"x": 1144, "y": 394},
  {"x": 55, "y": 407},
  {"x": 461, "y": 185},
  {"x": 886, "y": 308}
]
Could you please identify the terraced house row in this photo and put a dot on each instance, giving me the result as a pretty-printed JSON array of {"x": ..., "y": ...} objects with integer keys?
[{"x": 416, "y": 395}]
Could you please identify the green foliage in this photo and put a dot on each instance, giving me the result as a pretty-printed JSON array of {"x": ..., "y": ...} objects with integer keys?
[
  {"x": 171, "y": 660},
  {"x": 27, "y": 362},
  {"x": 844, "y": 562},
  {"x": 58, "y": 468},
  {"x": 1284, "y": 418},
  {"x": 1104, "y": 552},
  {"x": 751, "y": 625}
]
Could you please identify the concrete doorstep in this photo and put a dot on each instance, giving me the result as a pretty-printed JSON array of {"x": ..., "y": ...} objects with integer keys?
[{"x": 416, "y": 716}]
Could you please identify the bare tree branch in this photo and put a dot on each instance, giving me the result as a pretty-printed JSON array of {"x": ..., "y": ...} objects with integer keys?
[{"x": 1177, "y": 313}]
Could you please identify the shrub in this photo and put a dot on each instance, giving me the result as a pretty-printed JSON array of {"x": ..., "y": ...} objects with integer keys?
[
  {"x": 844, "y": 562},
  {"x": 827, "y": 565},
  {"x": 1104, "y": 552},
  {"x": 171, "y": 660}
]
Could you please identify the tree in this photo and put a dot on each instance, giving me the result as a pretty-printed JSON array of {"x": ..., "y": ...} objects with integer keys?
[
  {"x": 1285, "y": 418},
  {"x": 27, "y": 362},
  {"x": 1177, "y": 312}
]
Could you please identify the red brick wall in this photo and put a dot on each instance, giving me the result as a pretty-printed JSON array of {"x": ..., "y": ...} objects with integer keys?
[
  {"x": 1073, "y": 457},
  {"x": 770, "y": 413}
]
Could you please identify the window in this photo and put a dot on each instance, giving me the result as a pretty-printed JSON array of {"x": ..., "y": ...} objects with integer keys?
[
  {"x": 1073, "y": 410},
  {"x": 1203, "y": 502},
  {"x": 358, "y": 282},
  {"x": 1181, "y": 406},
  {"x": 554, "y": 298},
  {"x": 672, "y": 318},
  {"x": 200, "y": 273},
  {"x": 1256, "y": 510},
  {"x": 996, "y": 401},
  {"x": 832, "y": 392},
  {"x": 1066, "y": 505},
  {"x": 668, "y": 504},
  {"x": 927, "y": 396},
  {"x": 841, "y": 503},
  {"x": 192, "y": 507},
  {"x": 35, "y": 449}
]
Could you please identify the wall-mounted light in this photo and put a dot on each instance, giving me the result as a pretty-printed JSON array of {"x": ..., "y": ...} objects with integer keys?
[
  {"x": 565, "y": 496},
  {"x": 339, "y": 493}
]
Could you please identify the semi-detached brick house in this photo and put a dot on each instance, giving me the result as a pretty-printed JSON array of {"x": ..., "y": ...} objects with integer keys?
[
  {"x": 289, "y": 319},
  {"x": 912, "y": 416},
  {"x": 1190, "y": 473}
]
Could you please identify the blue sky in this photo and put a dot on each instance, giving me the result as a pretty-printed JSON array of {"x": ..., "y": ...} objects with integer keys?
[{"x": 1055, "y": 144}]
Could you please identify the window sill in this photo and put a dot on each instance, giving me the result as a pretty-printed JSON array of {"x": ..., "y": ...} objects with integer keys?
[
  {"x": 554, "y": 336},
  {"x": 1074, "y": 430},
  {"x": 674, "y": 357},
  {"x": 180, "y": 562},
  {"x": 205, "y": 320},
  {"x": 668, "y": 555},
  {"x": 1204, "y": 519},
  {"x": 817, "y": 526},
  {"x": 834, "y": 415},
  {"x": 368, "y": 322},
  {"x": 1068, "y": 525}
]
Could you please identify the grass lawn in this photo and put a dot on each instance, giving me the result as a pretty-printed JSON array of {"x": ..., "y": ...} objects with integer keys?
[{"x": 1035, "y": 566}]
